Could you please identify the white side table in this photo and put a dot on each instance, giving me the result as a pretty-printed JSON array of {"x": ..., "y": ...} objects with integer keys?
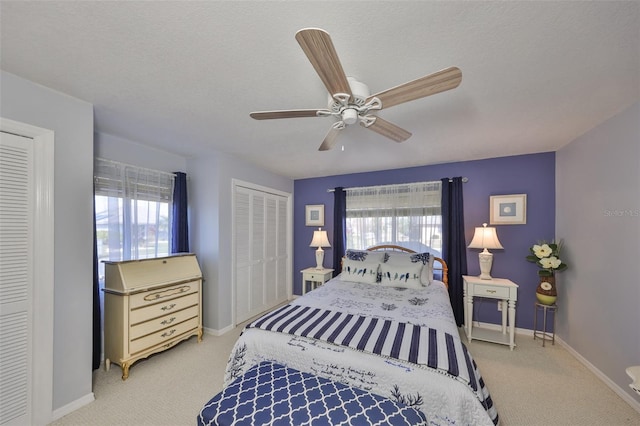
[
  {"x": 315, "y": 277},
  {"x": 495, "y": 288}
]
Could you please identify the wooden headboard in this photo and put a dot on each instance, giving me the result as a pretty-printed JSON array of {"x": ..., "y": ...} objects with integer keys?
[{"x": 443, "y": 265}]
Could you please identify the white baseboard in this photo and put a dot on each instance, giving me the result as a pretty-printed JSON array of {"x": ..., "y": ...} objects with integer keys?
[
  {"x": 73, "y": 406},
  {"x": 214, "y": 332},
  {"x": 599, "y": 374}
]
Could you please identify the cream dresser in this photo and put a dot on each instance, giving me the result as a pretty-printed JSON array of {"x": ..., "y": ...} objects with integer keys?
[{"x": 149, "y": 306}]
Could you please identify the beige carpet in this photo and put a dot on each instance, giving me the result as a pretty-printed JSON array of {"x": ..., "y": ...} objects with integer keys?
[{"x": 530, "y": 386}]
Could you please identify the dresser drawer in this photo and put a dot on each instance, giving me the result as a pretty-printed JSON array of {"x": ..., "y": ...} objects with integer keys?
[
  {"x": 160, "y": 295},
  {"x": 491, "y": 291},
  {"x": 146, "y": 313},
  {"x": 151, "y": 326},
  {"x": 163, "y": 335}
]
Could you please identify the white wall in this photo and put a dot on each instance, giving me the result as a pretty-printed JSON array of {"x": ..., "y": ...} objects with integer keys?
[
  {"x": 72, "y": 121},
  {"x": 126, "y": 151},
  {"x": 598, "y": 217},
  {"x": 210, "y": 192}
]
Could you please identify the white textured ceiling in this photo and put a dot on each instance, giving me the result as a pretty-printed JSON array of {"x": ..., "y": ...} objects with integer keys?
[{"x": 183, "y": 76}]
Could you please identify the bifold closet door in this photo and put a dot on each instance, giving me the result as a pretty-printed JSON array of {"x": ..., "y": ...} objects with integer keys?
[
  {"x": 16, "y": 278},
  {"x": 260, "y": 232}
]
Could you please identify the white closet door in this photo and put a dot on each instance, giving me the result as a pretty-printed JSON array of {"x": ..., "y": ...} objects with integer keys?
[
  {"x": 242, "y": 230},
  {"x": 16, "y": 279},
  {"x": 261, "y": 254},
  {"x": 257, "y": 282},
  {"x": 281, "y": 251},
  {"x": 270, "y": 248}
]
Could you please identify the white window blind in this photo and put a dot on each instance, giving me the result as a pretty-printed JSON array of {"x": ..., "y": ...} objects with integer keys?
[
  {"x": 133, "y": 211},
  {"x": 404, "y": 214}
]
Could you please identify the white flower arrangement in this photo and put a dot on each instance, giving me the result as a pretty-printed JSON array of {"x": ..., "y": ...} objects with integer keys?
[{"x": 547, "y": 257}]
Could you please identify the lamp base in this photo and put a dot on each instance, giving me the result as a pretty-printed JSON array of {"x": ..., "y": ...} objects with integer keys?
[
  {"x": 486, "y": 260},
  {"x": 319, "y": 258}
]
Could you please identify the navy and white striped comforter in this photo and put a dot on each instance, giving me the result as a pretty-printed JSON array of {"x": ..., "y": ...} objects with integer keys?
[{"x": 399, "y": 343}]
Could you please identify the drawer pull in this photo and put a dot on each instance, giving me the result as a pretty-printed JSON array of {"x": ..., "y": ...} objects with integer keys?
[
  {"x": 491, "y": 291},
  {"x": 166, "y": 293},
  {"x": 169, "y": 321},
  {"x": 168, "y": 333},
  {"x": 168, "y": 307}
]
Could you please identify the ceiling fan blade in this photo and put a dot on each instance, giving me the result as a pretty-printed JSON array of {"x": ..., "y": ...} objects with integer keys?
[
  {"x": 431, "y": 84},
  {"x": 318, "y": 47},
  {"x": 292, "y": 113},
  {"x": 387, "y": 129},
  {"x": 331, "y": 138}
]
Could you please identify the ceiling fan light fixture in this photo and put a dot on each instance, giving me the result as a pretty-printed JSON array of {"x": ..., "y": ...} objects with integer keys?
[{"x": 350, "y": 115}]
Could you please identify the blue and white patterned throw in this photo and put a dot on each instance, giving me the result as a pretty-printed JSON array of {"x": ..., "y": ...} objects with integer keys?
[{"x": 272, "y": 394}]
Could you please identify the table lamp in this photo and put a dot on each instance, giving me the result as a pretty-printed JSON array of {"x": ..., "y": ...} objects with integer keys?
[
  {"x": 319, "y": 240},
  {"x": 485, "y": 238}
]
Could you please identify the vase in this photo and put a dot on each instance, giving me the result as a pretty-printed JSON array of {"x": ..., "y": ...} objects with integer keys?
[{"x": 546, "y": 291}]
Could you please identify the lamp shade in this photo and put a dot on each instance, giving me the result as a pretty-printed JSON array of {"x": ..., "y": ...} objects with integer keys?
[
  {"x": 485, "y": 238},
  {"x": 320, "y": 239}
]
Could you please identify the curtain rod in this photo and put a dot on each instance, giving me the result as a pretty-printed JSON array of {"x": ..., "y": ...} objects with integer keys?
[{"x": 464, "y": 180}]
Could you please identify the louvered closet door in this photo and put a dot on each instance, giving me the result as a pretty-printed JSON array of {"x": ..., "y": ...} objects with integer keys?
[
  {"x": 16, "y": 280},
  {"x": 281, "y": 251},
  {"x": 261, "y": 251}
]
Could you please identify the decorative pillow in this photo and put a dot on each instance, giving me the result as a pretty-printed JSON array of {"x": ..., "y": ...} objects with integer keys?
[
  {"x": 425, "y": 259},
  {"x": 407, "y": 275},
  {"x": 360, "y": 272},
  {"x": 364, "y": 256}
]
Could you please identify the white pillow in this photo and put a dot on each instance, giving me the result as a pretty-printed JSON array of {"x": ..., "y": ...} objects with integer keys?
[
  {"x": 407, "y": 275},
  {"x": 360, "y": 272},
  {"x": 424, "y": 259}
]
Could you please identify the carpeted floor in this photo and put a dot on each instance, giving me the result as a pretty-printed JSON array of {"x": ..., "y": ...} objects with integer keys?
[{"x": 530, "y": 386}]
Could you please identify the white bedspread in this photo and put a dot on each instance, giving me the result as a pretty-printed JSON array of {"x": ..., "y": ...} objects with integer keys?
[{"x": 444, "y": 400}]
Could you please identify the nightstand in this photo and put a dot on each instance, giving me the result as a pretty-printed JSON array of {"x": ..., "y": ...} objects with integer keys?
[
  {"x": 496, "y": 288},
  {"x": 315, "y": 277}
]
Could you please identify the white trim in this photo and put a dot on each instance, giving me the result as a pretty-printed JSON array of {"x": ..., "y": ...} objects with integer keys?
[
  {"x": 43, "y": 256},
  {"x": 607, "y": 381},
  {"x": 73, "y": 406},
  {"x": 217, "y": 333},
  {"x": 599, "y": 374}
]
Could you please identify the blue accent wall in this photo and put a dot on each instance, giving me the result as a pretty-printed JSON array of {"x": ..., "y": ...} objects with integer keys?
[{"x": 532, "y": 174}]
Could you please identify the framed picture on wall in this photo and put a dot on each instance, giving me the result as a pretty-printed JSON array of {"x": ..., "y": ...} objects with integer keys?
[
  {"x": 314, "y": 215},
  {"x": 508, "y": 209}
]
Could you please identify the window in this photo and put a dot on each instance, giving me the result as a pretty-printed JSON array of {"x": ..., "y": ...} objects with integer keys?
[
  {"x": 408, "y": 215},
  {"x": 133, "y": 212}
]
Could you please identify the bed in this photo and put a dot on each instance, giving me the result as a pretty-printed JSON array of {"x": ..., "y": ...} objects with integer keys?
[{"x": 384, "y": 325}]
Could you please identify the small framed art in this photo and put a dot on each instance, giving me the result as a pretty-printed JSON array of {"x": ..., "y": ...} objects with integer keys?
[
  {"x": 508, "y": 209},
  {"x": 314, "y": 215}
]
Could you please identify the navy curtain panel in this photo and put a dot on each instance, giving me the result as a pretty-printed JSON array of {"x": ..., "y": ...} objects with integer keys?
[
  {"x": 453, "y": 244},
  {"x": 97, "y": 325},
  {"x": 180, "y": 228},
  {"x": 339, "y": 228}
]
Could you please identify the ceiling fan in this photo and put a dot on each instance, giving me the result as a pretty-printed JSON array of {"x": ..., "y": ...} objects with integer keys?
[{"x": 349, "y": 99}]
